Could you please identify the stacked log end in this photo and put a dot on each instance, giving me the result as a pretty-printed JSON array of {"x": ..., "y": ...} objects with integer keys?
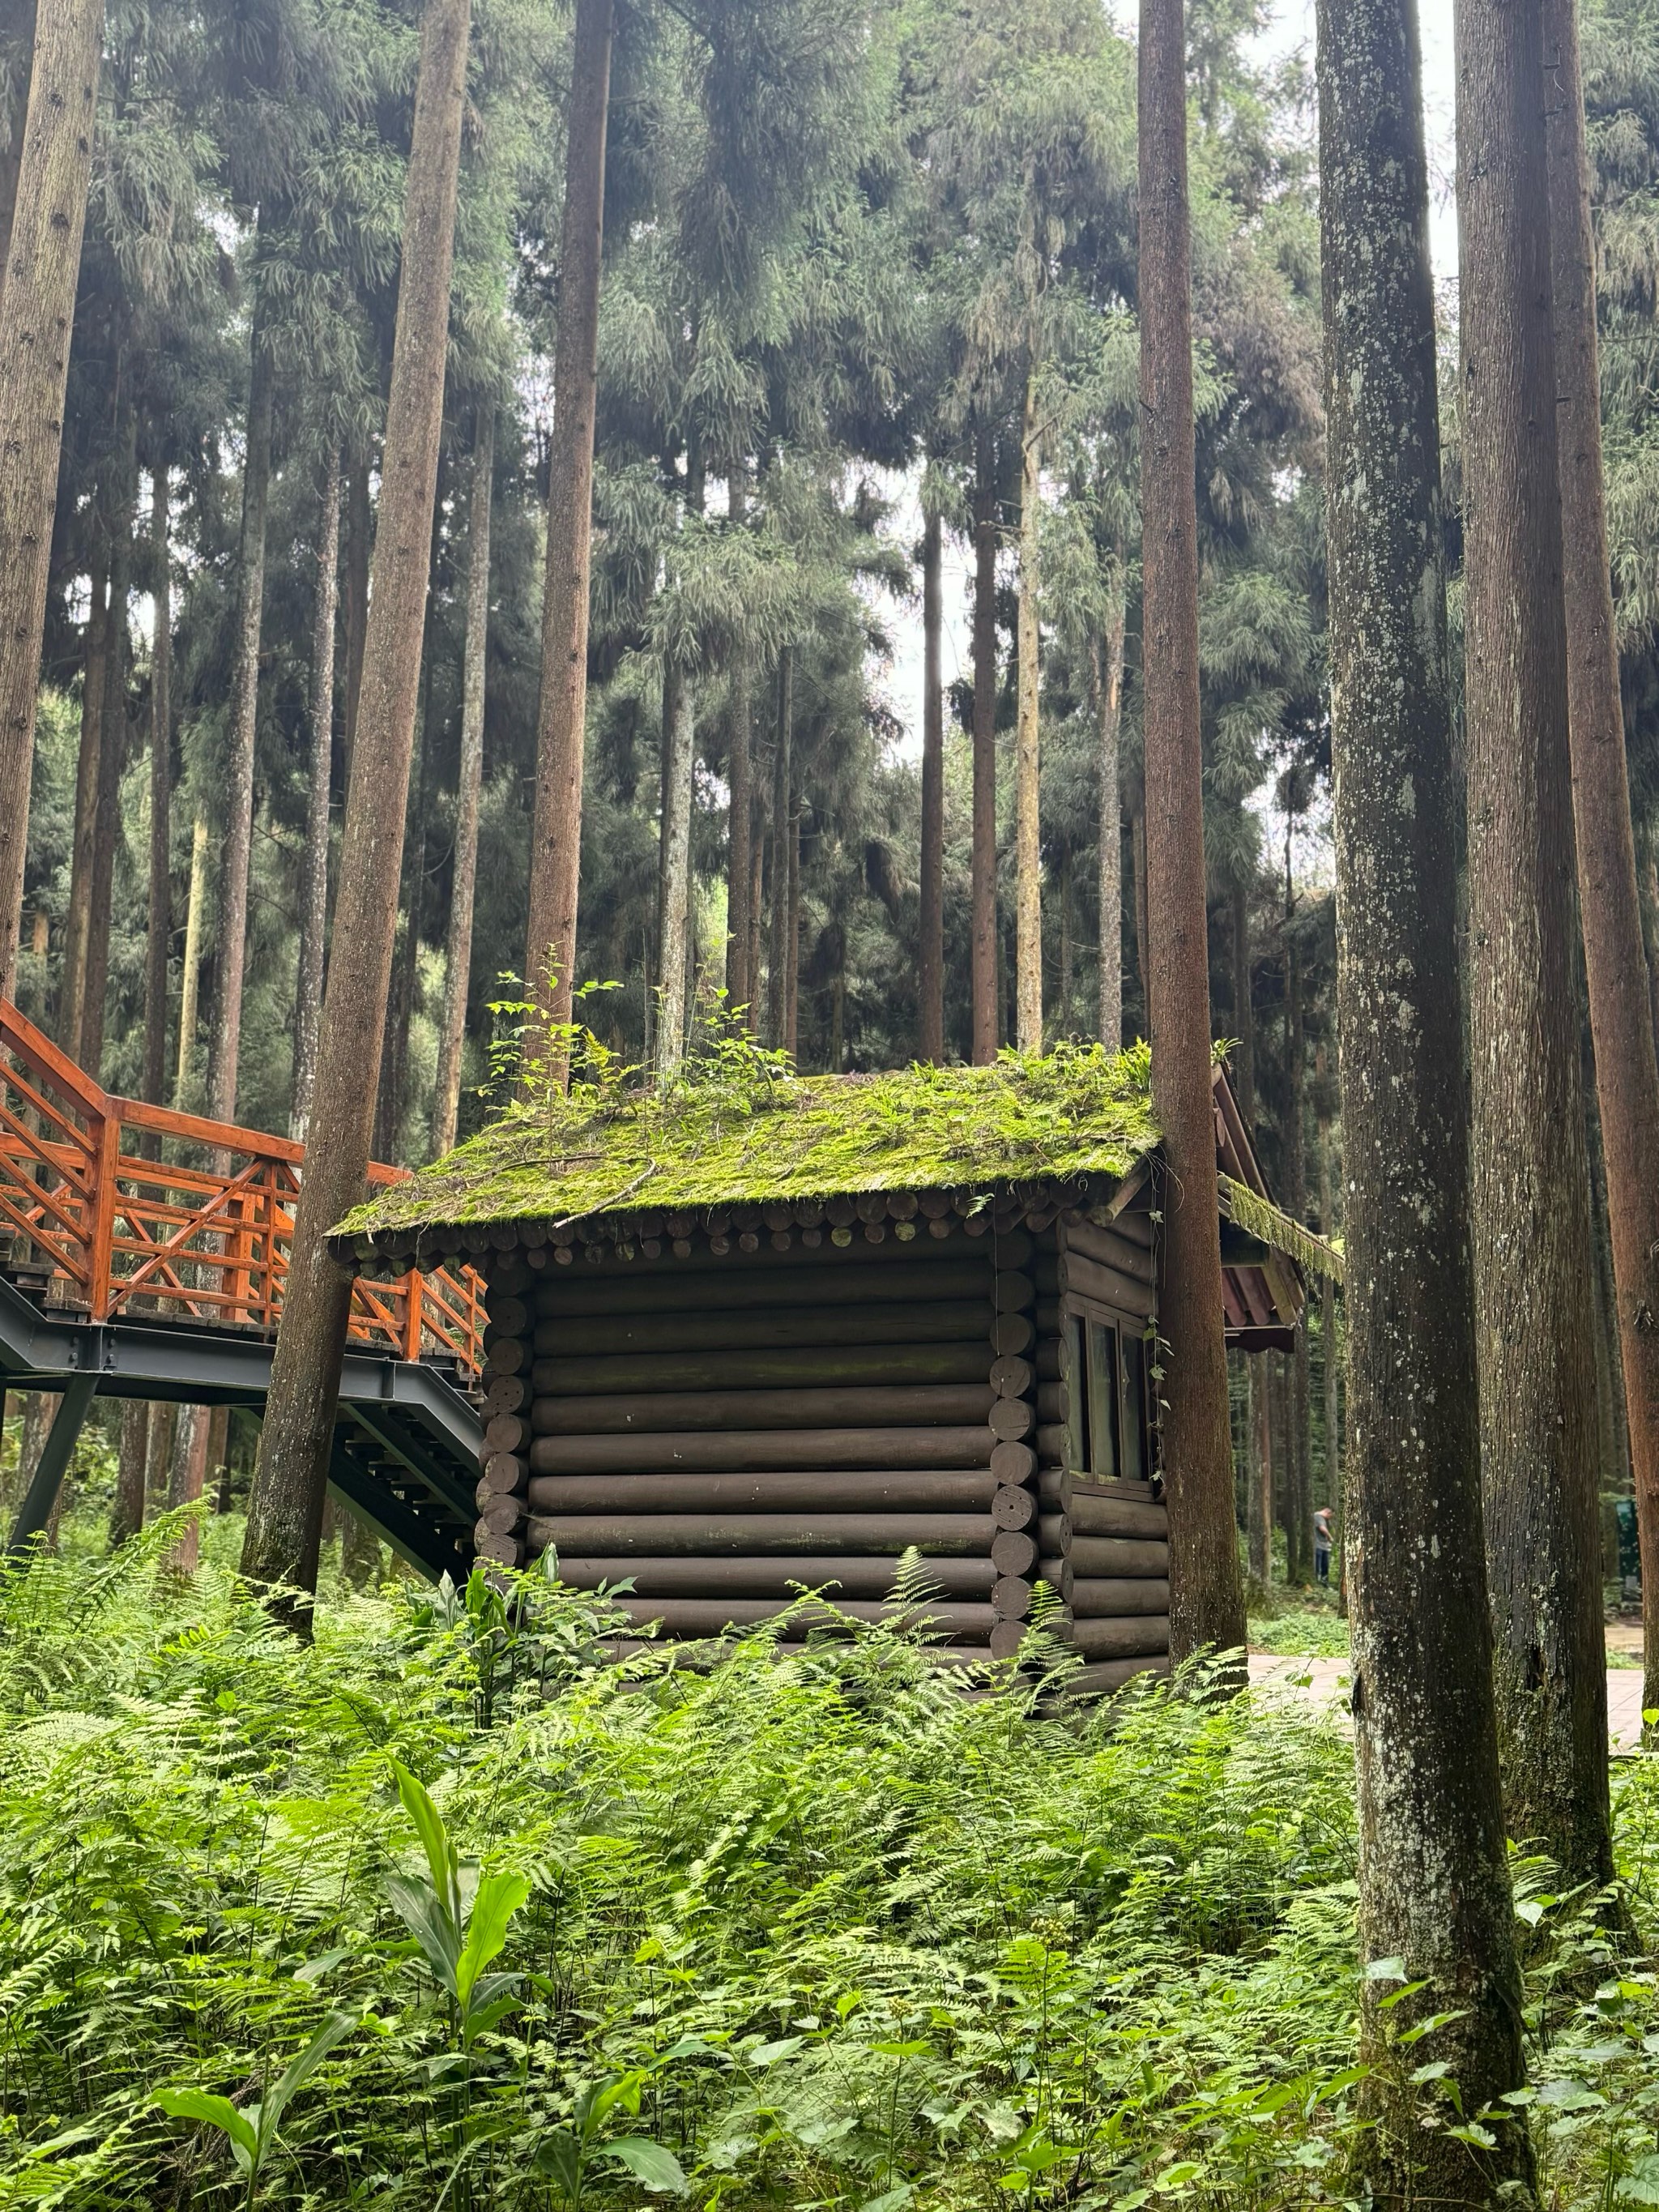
[
  {"x": 1014, "y": 1419},
  {"x": 503, "y": 1491}
]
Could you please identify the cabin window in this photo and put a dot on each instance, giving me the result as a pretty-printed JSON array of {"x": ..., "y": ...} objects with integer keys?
[
  {"x": 1092, "y": 1387},
  {"x": 1109, "y": 1396}
]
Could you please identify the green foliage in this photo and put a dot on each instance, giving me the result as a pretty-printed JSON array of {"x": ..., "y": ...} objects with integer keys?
[
  {"x": 737, "y": 1124},
  {"x": 803, "y": 1930}
]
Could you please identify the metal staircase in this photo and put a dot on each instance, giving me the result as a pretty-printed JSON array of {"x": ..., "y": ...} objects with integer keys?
[{"x": 144, "y": 1254}]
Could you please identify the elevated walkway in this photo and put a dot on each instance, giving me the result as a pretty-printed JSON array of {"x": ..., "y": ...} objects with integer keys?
[{"x": 143, "y": 1254}]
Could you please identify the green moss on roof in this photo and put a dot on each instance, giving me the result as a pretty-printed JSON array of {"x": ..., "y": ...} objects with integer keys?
[{"x": 744, "y": 1129}]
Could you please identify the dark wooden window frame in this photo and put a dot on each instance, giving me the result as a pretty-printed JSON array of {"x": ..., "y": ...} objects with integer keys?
[{"x": 1130, "y": 1425}]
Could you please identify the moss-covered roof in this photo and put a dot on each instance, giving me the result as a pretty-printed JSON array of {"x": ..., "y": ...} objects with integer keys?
[{"x": 741, "y": 1132}]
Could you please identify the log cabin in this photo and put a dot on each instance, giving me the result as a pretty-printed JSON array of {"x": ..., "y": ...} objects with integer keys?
[{"x": 755, "y": 1336}]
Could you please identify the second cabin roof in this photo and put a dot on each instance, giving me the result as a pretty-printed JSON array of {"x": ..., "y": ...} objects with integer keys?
[{"x": 742, "y": 1129}]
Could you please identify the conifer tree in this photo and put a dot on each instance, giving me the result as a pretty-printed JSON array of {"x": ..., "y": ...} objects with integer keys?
[
  {"x": 285, "y": 1511},
  {"x": 1206, "y": 1604},
  {"x": 556, "y": 833},
  {"x": 1434, "y": 1892},
  {"x": 1621, "y": 1011},
  {"x": 1531, "y": 1182},
  {"x": 37, "y": 310}
]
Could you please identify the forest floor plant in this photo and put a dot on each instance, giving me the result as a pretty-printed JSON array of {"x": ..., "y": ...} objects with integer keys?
[{"x": 803, "y": 1931}]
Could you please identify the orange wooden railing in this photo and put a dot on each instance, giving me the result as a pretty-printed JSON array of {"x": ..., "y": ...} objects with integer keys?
[{"x": 133, "y": 1209}]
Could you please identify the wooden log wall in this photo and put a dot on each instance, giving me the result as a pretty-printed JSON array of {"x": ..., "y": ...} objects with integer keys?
[
  {"x": 726, "y": 1428},
  {"x": 724, "y": 1421}
]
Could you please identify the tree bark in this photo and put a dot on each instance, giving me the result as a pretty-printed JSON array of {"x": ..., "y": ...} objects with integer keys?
[
  {"x": 1028, "y": 830},
  {"x": 1261, "y": 1494},
  {"x": 1206, "y": 1600},
  {"x": 77, "y": 927},
  {"x": 1243, "y": 1012},
  {"x": 740, "y": 819},
  {"x": 160, "y": 920},
  {"x": 756, "y": 906},
  {"x": 555, "y": 839},
  {"x": 930, "y": 984},
  {"x": 127, "y": 1514},
  {"x": 674, "y": 863},
  {"x": 236, "y": 851},
  {"x": 1531, "y": 1217},
  {"x": 469, "y": 783},
  {"x": 112, "y": 749},
  {"x": 313, "y": 892},
  {"x": 290, "y": 1480},
  {"x": 43, "y": 263},
  {"x": 1434, "y": 1887},
  {"x": 1138, "y": 862},
  {"x": 792, "y": 942},
  {"x": 392, "y": 1102},
  {"x": 983, "y": 860},
  {"x": 1333, "y": 1357},
  {"x": 187, "y": 1477},
  {"x": 777, "y": 951},
  {"x": 1621, "y": 1018},
  {"x": 1299, "y": 1520},
  {"x": 190, "y": 980},
  {"x": 1108, "y": 717},
  {"x": 359, "y": 545}
]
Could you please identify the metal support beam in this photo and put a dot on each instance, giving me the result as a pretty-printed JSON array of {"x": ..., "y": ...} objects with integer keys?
[{"x": 55, "y": 1455}]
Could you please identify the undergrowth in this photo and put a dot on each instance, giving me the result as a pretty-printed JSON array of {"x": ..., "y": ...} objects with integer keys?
[{"x": 437, "y": 1911}]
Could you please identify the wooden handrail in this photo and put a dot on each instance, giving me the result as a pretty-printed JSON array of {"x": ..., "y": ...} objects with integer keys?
[{"x": 120, "y": 1230}]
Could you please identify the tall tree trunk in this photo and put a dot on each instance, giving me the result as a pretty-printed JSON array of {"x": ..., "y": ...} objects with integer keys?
[
  {"x": 190, "y": 980},
  {"x": 313, "y": 892},
  {"x": 1143, "y": 933},
  {"x": 756, "y": 908},
  {"x": 674, "y": 863},
  {"x": 1616, "y": 1468},
  {"x": 930, "y": 979},
  {"x": 986, "y": 1017},
  {"x": 792, "y": 952},
  {"x": 77, "y": 928},
  {"x": 740, "y": 816},
  {"x": 392, "y": 1100},
  {"x": 1332, "y": 1370},
  {"x": 127, "y": 1513},
  {"x": 1108, "y": 680},
  {"x": 236, "y": 851},
  {"x": 187, "y": 1478},
  {"x": 1621, "y": 1018},
  {"x": 777, "y": 952},
  {"x": 1064, "y": 1021},
  {"x": 1298, "y": 1523},
  {"x": 1242, "y": 1066},
  {"x": 359, "y": 546},
  {"x": 113, "y": 751},
  {"x": 1531, "y": 1217},
  {"x": 43, "y": 263},
  {"x": 1261, "y": 1499},
  {"x": 1206, "y": 1600},
  {"x": 1434, "y": 1888},
  {"x": 1028, "y": 830},
  {"x": 469, "y": 783},
  {"x": 285, "y": 1511},
  {"x": 160, "y": 920},
  {"x": 556, "y": 834}
]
